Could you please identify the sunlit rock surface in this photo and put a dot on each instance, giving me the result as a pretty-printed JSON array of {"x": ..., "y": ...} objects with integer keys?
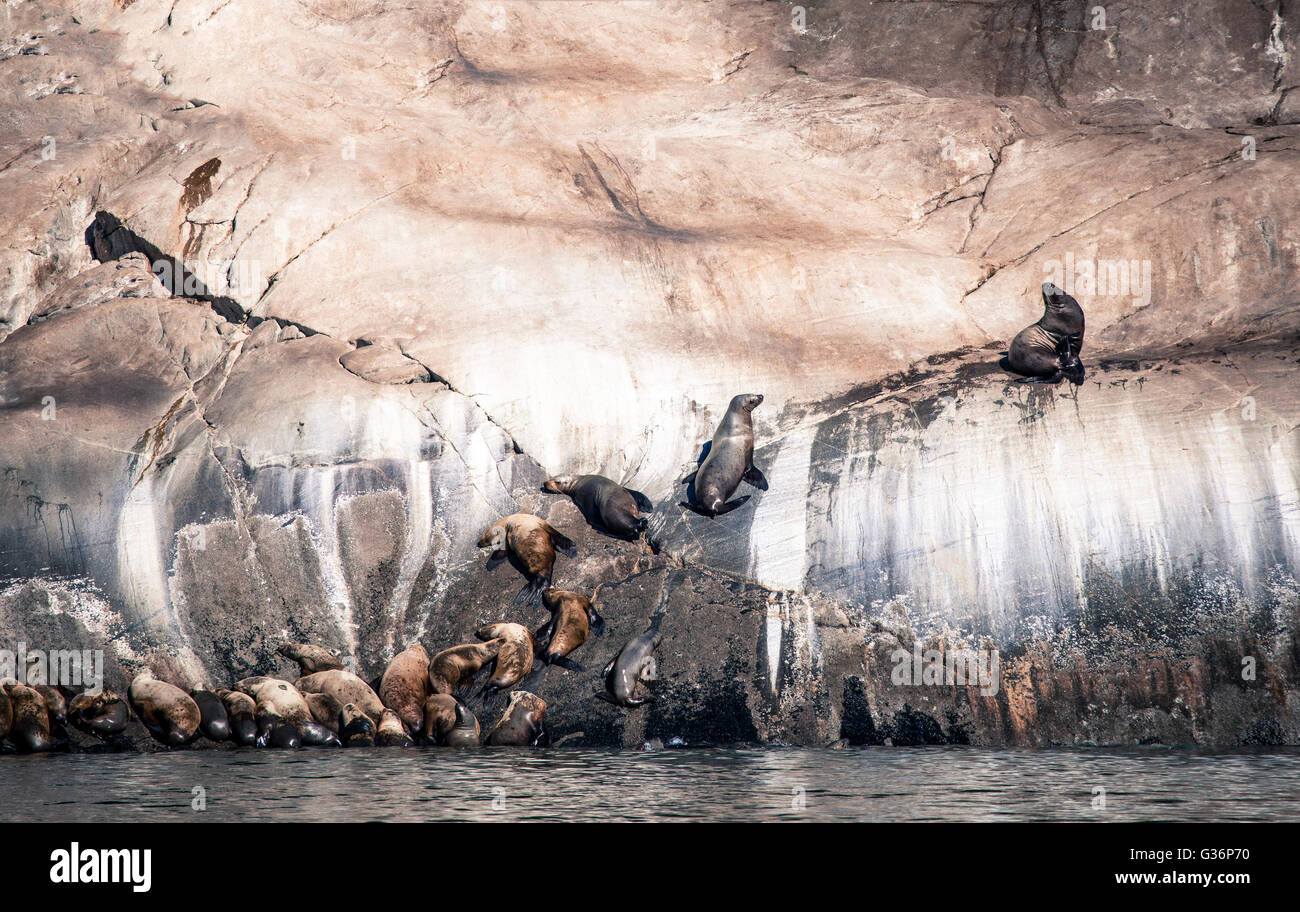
[{"x": 297, "y": 298}]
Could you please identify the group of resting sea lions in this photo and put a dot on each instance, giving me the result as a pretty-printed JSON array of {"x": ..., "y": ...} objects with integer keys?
[{"x": 422, "y": 698}]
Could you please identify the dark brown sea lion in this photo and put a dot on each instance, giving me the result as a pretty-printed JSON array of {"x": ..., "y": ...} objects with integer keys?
[
  {"x": 356, "y": 728},
  {"x": 630, "y": 673},
  {"x": 604, "y": 503},
  {"x": 392, "y": 731},
  {"x": 310, "y": 659},
  {"x": 532, "y": 541},
  {"x": 169, "y": 713},
  {"x": 346, "y": 687},
  {"x": 215, "y": 723},
  {"x": 405, "y": 686},
  {"x": 29, "y": 730},
  {"x": 241, "y": 711},
  {"x": 102, "y": 714},
  {"x": 523, "y": 724},
  {"x": 452, "y": 669},
  {"x": 572, "y": 616},
  {"x": 1048, "y": 351},
  {"x": 730, "y": 461},
  {"x": 449, "y": 722},
  {"x": 514, "y": 657}
]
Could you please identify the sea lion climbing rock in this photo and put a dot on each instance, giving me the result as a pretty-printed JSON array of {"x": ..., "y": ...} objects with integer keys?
[
  {"x": 103, "y": 714},
  {"x": 514, "y": 657},
  {"x": 241, "y": 711},
  {"x": 523, "y": 724},
  {"x": 532, "y": 541},
  {"x": 631, "y": 673},
  {"x": 1048, "y": 351},
  {"x": 405, "y": 686},
  {"x": 346, "y": 687},
  {"x": 29, "y": 730},
  {"x": 452, "y": 669},
  {"x": 449, "y": 722},
  {"x": 169, "y": 713},
  {"x": 730, "y": 460},
  {"x": 310, "y": 659},
  {"x": 604, "y": 503},
  {"x": 215, "y": 723},
  {"x": 572, "y": 617}
]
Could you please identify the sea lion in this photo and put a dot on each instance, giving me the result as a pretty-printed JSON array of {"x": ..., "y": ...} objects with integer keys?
[
  {"x": 346, "y": 687},
  {"x": 29, "y": 731},
  {"x": 630, "y": 672},
  {"x": 315, "y": 734},
  {"x": 449, "y": 722},
  {"x": 55, "y": 702},
  {"x": 273, "y": 731},
  {"x": 405, "y": 686},
  {"x": 532, "y": 541},
  {"x": 276, "y": 697},
  {"x": 452, "y": 669},
  {"x": 523, "y": 724},
  {"x": 1048, "y": 351},
  {"x": 169, "y": 713},
  {"x": 103, "y": 714},
  {"x": 215, "y": 723},
  {"x": 6, "y": 712},
  {"x": 392, "y": 731},
  {"x": 241, "y": 711},
  {"x": 572, "y": 616},
  {"x": 310, "y": 659},
  {"x": 604, "y": 503},
  {"x": 356, "y": 729},
  {"x": 514, "y": 657},
  {"x": 325, "y": 709},
  {"x": 730, "y": 460}
]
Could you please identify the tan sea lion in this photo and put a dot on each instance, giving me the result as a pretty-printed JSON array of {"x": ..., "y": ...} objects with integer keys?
[
  {"x": 514, "y": 657},
  {"x": 604, "y": 503},
  {"x": 169, "y": 713},
  {"x": 523, "y": 724},
  {"x": 55, "y": 702},
  {"x": 572, "y": 617},
  {"x": 325, "y": 709},
  {"x": 405, "y": 686},
  {"x": 102, "y": 714},
  {"x": 346, "y": 687},
  {"x": 310, "y": 659},
  {"x": 1048, "y": 351},
  {"x": 449, "y": 722},
  {"x": 730, "y": 461},
  {"x": 356, "y": 729},
  {"x": 532, "y": 542},
  {"x": 452, "y": 669},
  {"x": 276, "y": 697},
  {"x": 29, "y": 730},
  {"x": 392, "y": 731}
]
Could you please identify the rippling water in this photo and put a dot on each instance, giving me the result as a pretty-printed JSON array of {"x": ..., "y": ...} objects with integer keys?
[{"x": 768, "y": 783}]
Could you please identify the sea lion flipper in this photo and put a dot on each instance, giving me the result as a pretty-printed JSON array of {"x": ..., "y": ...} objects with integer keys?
[
  {"x": 1054, "y": 378},
  {"x": 565, "y": 662},
  {"x": 730, "y": 505},
  {"x": 544, "y": 632},
  {"x": 596, "y": 623},
  {"x": 560, "y": 541},
  {"x": 754, "y": 477},
  {"x": 689, "y": 479}
]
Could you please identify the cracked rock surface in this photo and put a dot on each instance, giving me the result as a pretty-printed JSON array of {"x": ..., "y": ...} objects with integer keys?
[{"x": 296, "y": 298}]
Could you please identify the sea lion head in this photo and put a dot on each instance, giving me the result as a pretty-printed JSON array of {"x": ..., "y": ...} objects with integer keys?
[
  {"x": 494, "y": 538},
  {"x": 1055, "y": 299},
  {"x": 745, "y": 402},
  {"x": 560, "y": 484}
]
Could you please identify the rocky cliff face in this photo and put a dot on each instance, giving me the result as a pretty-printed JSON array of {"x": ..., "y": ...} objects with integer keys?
[{"x": 297, "y": 298}]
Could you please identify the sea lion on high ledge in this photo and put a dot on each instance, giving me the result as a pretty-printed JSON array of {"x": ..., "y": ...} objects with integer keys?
[
  {"x": 730, "y": 460},
  {"x": 514, "y": 657},
  {"x": 523, "y": 724},
  {"x": 405, "y": 686},
  {"x": 215, "y": 723},
  {"x": 310, "y": 659},
  {"x": 346, "y": 687},
  {"x": 241, "y": 710},
  {"x": 1048, "y": 351},
  {"x": 572, "y": 616},
  {"x": 168, "y": 712},
  {"x": 452, "y": 669},
  {"x": 604, "y": 503},
  {"x": 632, "y": 671},
  {"x": 29, "y": 730},
  {"x": 449, "y": 722},
  {"x": 533, "y": 542},
  {"x": 102, "y": 714}
]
